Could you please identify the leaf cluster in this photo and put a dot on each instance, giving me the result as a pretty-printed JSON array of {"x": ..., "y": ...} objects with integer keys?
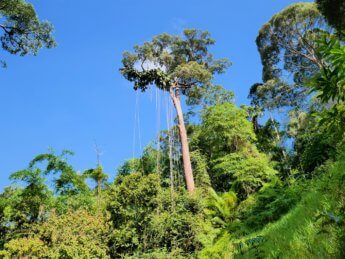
[{"x": 169, "y": 60}]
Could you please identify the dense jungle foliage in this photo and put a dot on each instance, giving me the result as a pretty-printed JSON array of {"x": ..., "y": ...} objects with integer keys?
[{"x": 265, "y": 187}]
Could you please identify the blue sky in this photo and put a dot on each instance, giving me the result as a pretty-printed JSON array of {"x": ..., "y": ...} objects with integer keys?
[{"x": 73, "y": 96}]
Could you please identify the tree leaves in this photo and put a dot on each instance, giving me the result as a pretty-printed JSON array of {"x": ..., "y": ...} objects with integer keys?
[
  {"x": 329, "y": 83},
  {"x": 23, "y": 32},
  {"x": 287, "y": 47},
  {"x": 167, "y": 60}
]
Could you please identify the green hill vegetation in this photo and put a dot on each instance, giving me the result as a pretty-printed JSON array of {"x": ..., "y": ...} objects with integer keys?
[{"x": 222, "y": 181}]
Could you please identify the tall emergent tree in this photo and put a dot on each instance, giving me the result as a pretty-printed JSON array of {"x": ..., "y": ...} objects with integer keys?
[
  {"x": 22, "y": 32},
  {"x": 179, "y": 65},
  {"x": 287, "y": 46}
]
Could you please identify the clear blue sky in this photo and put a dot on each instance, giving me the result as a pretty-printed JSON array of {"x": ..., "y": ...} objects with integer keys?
[{"x": 73, "y": 96}]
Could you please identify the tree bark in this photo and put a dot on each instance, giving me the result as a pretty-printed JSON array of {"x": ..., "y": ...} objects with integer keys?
[
  {"x": 187, "y": 165},
  {"x": 278, "y": 136}
]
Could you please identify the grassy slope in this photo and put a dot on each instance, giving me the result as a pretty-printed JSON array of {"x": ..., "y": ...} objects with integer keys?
[{"x": 315, "y": 228}]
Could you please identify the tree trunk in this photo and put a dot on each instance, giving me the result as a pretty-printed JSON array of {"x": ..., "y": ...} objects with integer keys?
[
  {"x": 278, "y": 136},
  {"x": 187, "y": 165},
  {"x": 99, "y": 187}
]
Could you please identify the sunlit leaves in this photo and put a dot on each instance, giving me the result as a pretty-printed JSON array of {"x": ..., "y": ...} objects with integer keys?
[
  {"x": 287, "y": 48},
  {"x": 167, "y": 60},
  {"x": 330, "y": 82},
  {"x": 225, "y": 129}
]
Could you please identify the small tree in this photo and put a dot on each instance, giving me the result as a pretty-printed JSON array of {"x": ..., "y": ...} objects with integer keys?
[
  {"x": 69, "y": 182},
  {"x": 98, "y": 176},
  {"x": 179, "y": 65}
]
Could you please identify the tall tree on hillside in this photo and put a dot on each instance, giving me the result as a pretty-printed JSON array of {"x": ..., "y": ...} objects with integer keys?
[
  {"x": 22, "y": 32},
  {"x": 287, "y": 46},
  {"x": 179, "y": 65}
]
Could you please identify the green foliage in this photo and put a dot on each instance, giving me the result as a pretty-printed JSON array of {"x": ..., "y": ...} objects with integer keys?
[
  {"x": 98, "y": 176},
  {"x": 269, "y": 204},
  {"x": 288, "y": 49},
  {"x": 220, "y": 209},
  {"x": 227, "y": 138},
  {"x": 146, "y": 217},
  {"x": 179, "y": 225},
  {"x": 313, "y": 145},
  {"x": 22, "y": 32},
  {"x": 225, "y": 129},
  {"x": 24, "y": 247},
  {"x": 210, "y": 95},
  {"x": 34, "y": 197},
  {"x": 76, "y": 234},
  {"x": 242, "y": 173},
  {"x": 310, "y": 230},
  {"x": 240, "y": 207},
  {"x": 317, "y": 137},
  {"x": 85, "y": 201},
  {"x": 290, "y": 34},
  {"x": 216, "y": 95},
  {"x": 172, "y": 60},
  {"x": 221, "y": 247},
  {"x": 273, "y": 94},
  {"x": 132, "y": 199},
  {"x": 130, "y": 166},
  {"x": 330, "y": 81},
  {"x": 149, "y": 160},
  {"x": 13, "y": 215},
  {"x": 267, "y": 141},
  {"x": 22, "y": 207},
  {"x": 69, "y": 181},
  {"x": 199, "y": 163},
  {"x": 146, "y": 164}
]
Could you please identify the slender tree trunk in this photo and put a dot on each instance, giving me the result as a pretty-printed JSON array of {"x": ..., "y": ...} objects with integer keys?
[
  {"x": 99, "y": 187},
  {"x": 278, "y": 136},
  {"x": 255, "y": 123},
  {"x": 187, "y": 165}
]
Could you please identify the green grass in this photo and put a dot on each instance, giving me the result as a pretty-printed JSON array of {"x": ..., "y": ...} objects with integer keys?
[{"x": 314, "y": 228}]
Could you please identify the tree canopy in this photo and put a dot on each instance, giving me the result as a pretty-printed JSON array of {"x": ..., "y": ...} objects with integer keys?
[
  {"x": 167, "y": 60},
  {"x": 287, "y": 42},
  {"x": 22, "y": 31}
]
